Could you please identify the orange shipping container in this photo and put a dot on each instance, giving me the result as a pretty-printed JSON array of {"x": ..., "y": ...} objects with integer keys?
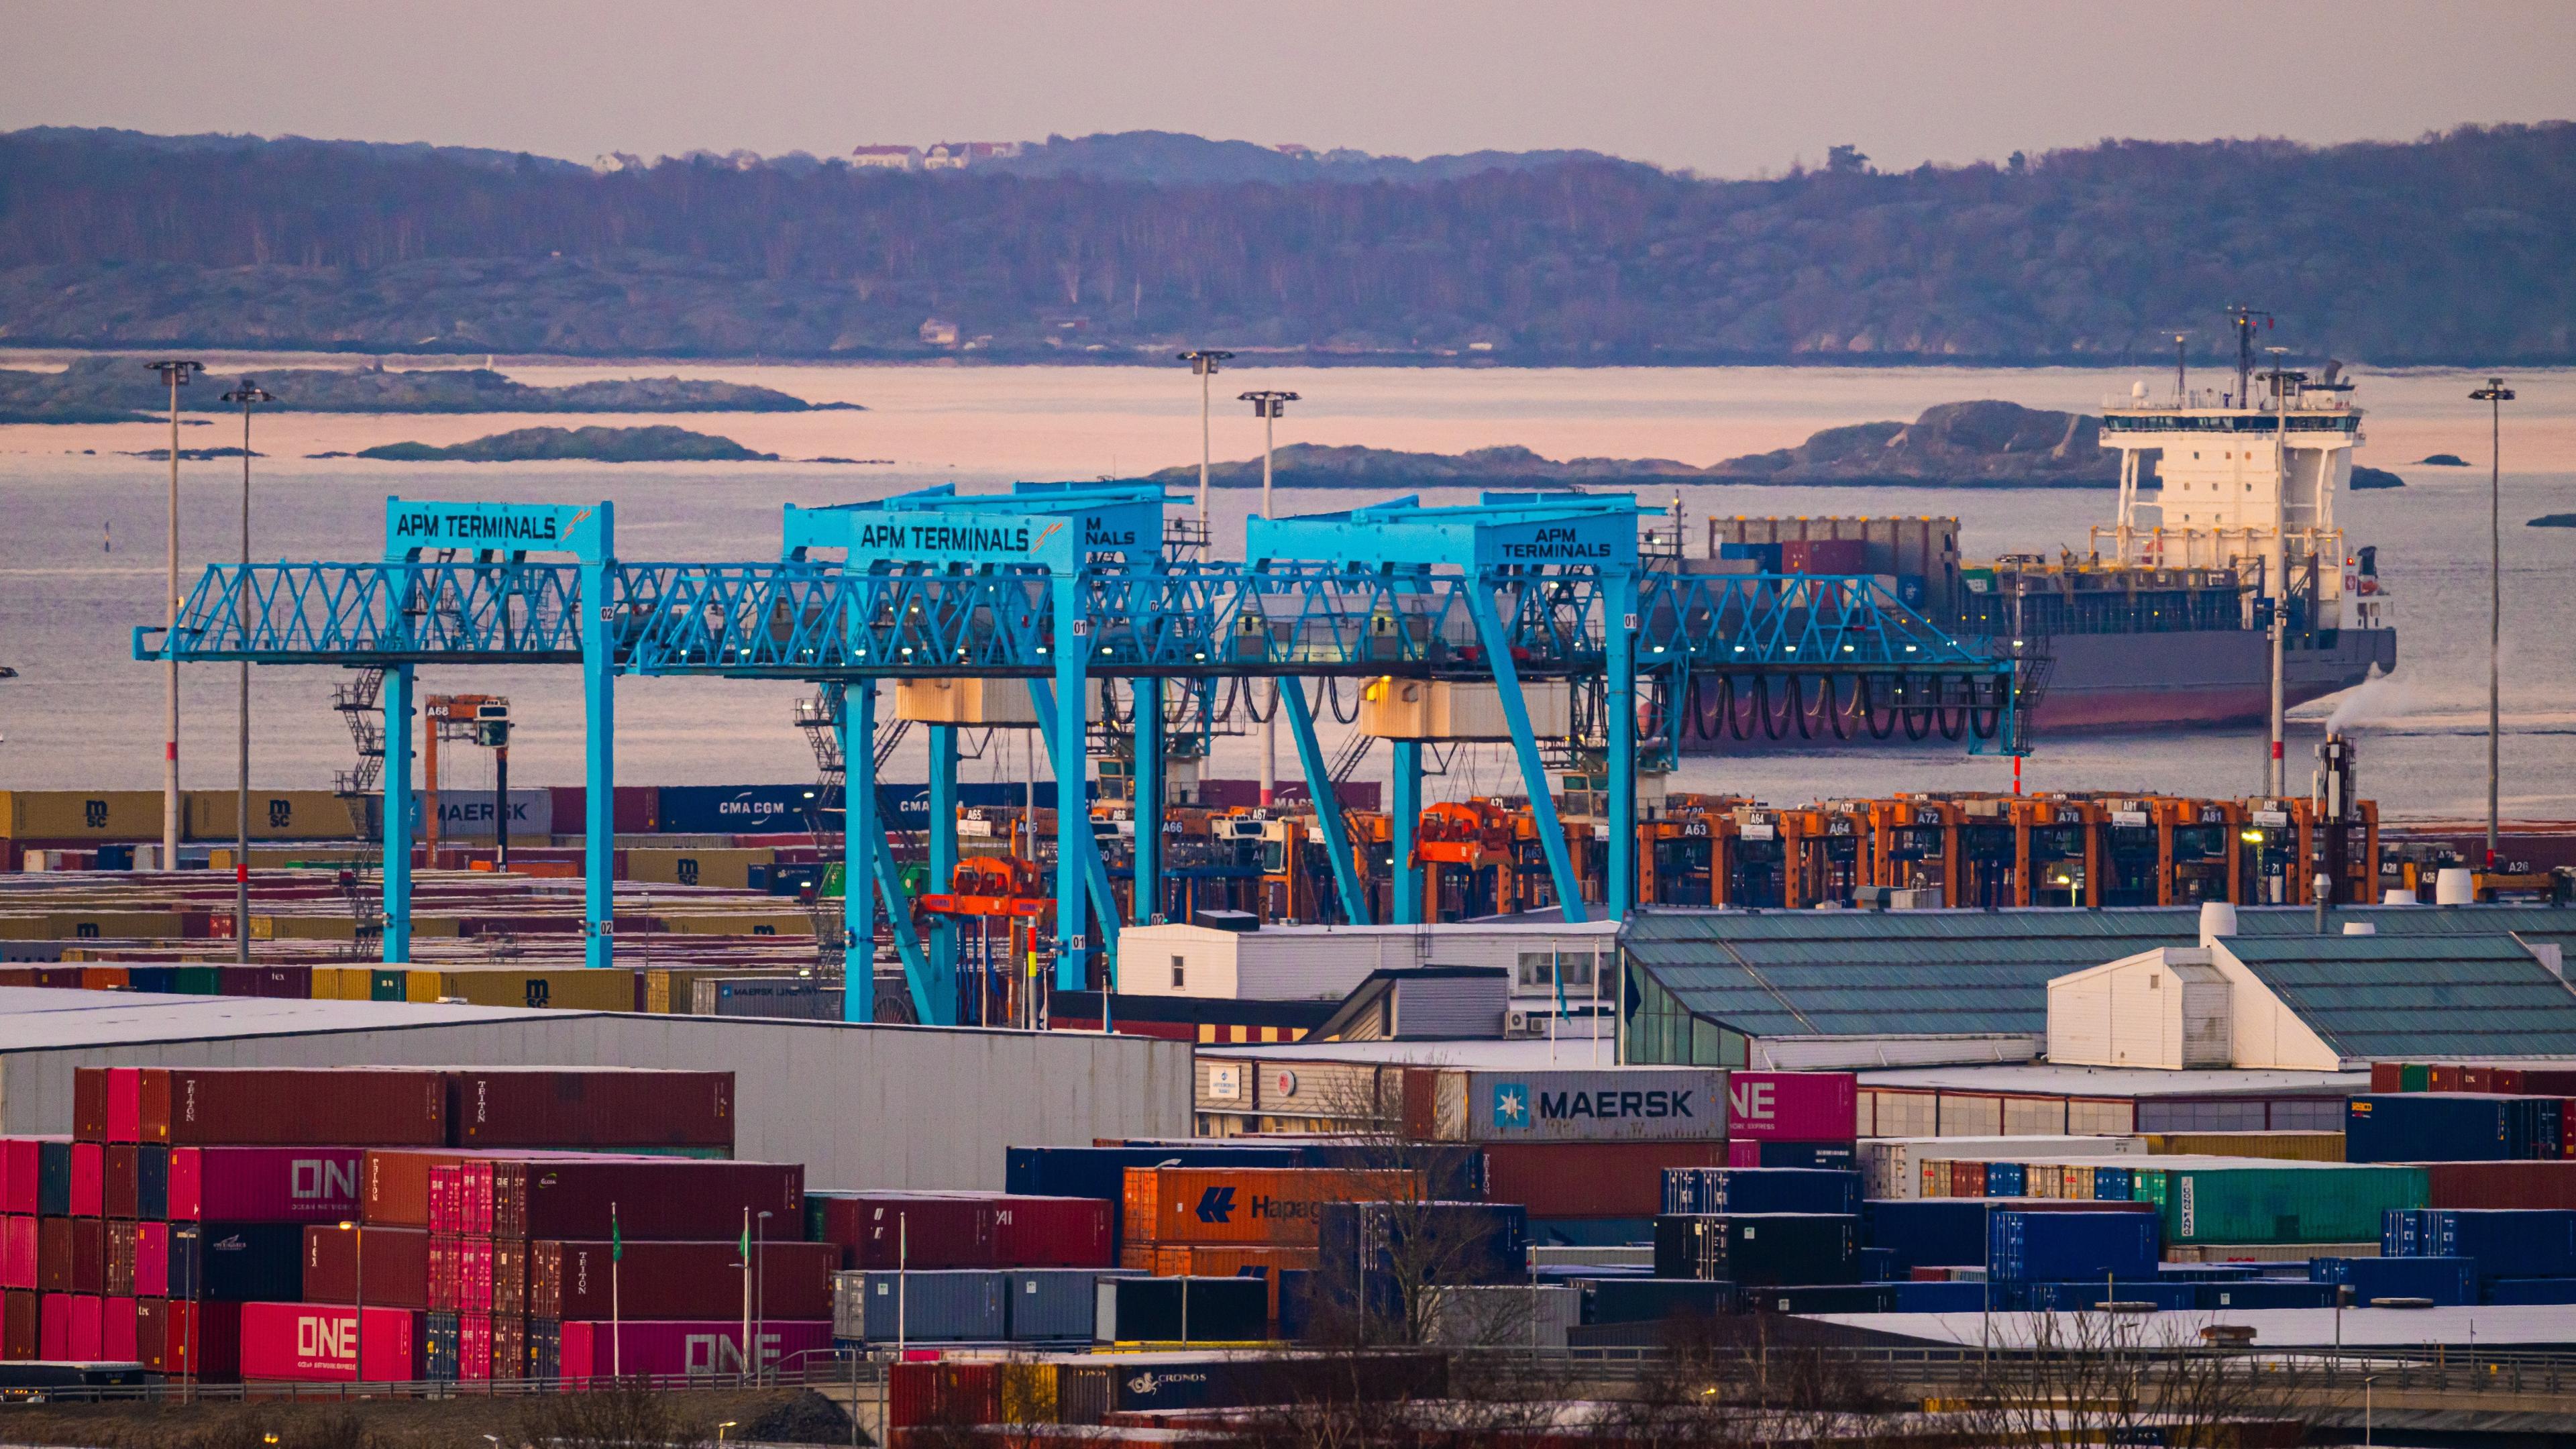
[{"x": 1272, "y": 1205}]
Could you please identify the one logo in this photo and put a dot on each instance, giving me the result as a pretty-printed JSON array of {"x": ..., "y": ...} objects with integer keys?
[
  {"x": 1511, "y": 1105},
  {"x": 1216, "y": 1205}
]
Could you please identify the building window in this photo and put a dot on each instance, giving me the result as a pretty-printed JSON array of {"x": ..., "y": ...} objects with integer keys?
[
  {"x": 1176, "y": 973},
  {"x": 1539, "y": 971}
]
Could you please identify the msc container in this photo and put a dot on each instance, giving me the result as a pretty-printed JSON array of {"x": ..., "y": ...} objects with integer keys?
[
  {"x": 664, "y": 1279},
  {"x": 1100, "y": 1172},
  {"x": 904, "y": 1229},
  {"x": 288, "y": 1106},
  {"x": 1591, "y": 1179},
  {"x": 794, "y": 998},
  {"x": 2281, "y": 1203},
  {"x": 1615, "y": 1104},
  {"x": 940, "y": 1306},
  {"x": 706, "y": 1348},
  {"x": 326, "y": 1343},
  {"x": 395, "y": 1272},
  {"x": 1759, "y": 1248},
  {"x": 1793, "y": 1106},
  {"x": 1049, "y": 1303},
  {"x": 77, "y": 815},
  {"x": 574, "y": 1107},
  {"x": 2053, "y": 1247},
  {"x": 1761, "y": 1190},
  {"x": 2446, "y": 1281},
  {"x": 1249, "y": 1204},
  {"x": 1180, "y": 1310},
  {"x": 1652, "y": 1300},
  {"x": 2428, "y": 1127}
]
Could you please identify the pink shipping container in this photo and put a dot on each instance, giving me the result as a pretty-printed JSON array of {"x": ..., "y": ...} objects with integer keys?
[
  {"x": 54, "y": 1327},
  {"x": 327, "y": 1343},
  {"x": 699, "y": 1349},
  {"x": 125, "y": 1104},
  {"x": 1747, "y": 1153},
  {"x": 89, "y": 1326},
  {"x": 21, "y": 1173},
  {"x": 444, "y": 1193},
  {"x": 1792, "y": 1106},
  {"x": 473, "y": 1345},
  {"x": 17, "y": 1252},
  {"x": 116, "y": 1332},
  {"x": 151, "y": 1260},
  {"x": 264, "y": 1184},
  {"x": 89, "y": 1180}
]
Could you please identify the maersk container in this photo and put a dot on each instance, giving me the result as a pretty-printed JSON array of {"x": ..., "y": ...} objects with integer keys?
[
  {"x": 1051, "y": 1303},
  {"x": 941, "y": 1306},
  {"x": 1605, "y": 1104},
  {"x": 1652, "y": 1300},
  {"x": 2428, "y": 1127},
  {"x": 2281, "y": 1202},
  {"x": 1180, "y": 1310},
  {"x": 1759, "y": 1248},
  {"x": 1760, "y": 1190},
  {"x": 2530, "y": 1291},
  {"x": 2057, "y": 1247}
]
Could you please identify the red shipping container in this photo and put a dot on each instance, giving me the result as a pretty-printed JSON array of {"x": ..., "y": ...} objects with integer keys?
[
  {"x": 1053, "y": 1232},
  {"x": 2442, "y": 1078},
  {"x": 19, "y": 1337},
  {"x": 473, "y": 1207},
  {"x": 474, "y": 1275},
  {"x": 394, "y": 1275},
  {"x": 89, "y": 1104},
  {"x": 152, "y": 1260},
  {"x": 203, "y": 1341},
  {"x": 707, "y": 1348},
  {"x": 910, "y": 1229},
  {"x": 1747, "y": 1153},
  {"x": 21, "y": 1172},
  {"x": 125, "y": 1104},
  {"x": 2525, "y": 1184},
  {"x": 1967, "y": 1179},
  {"x": 2507, "y": 1080},
  {"x": 89, "y": 1179},
  {"x": 287, "y": 1106},
  {"x": 473, "y": 1346},
  {"x": 1824, "y": 556},
  {"x": 943, "y": 1392},
  {"x": 120, "y": 1183},
  {"x": 663, "y": 1279},
  {"x": 290, "y": 982},
  {"x": 509, "y": 1346},
  {"x": 89, "y": 1326},
  {"x": 2567, "y": 1126},
  {"x": 120, "y": 1259},
  {"x": 54, "y": 1327},
  {"x": 264, "y": 1184},
  {"x": 1792, "y": 1106},
  {"x": 116, "y": 1334},
  {"x": 54, "y": 1255},
  {"x": 326, "y": 1343},
  {"x": 443, "y": 1190},
  {"x": 89, "y": 1255},
  {"x": 443, "y": 1253},
  {"x": 151, "y": 1332},
  {"x": 2387, "y": 1077},
  {"x": 1590, "y": 1179},
  {"x": 2476, "y": 1079},
  {"x": 509, "y": 1277},
  {"x": 393, "y": 1184},
  {"x": 2549, "y": 1081},
  {"x": 17, "y": 1251},
  {"x": 567, "y": 1107},
  {"x": 653, "y": 1197}
]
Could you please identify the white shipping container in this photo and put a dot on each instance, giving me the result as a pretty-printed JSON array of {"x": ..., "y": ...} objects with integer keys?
[
  {"x": 1890, "y": 1166},
  {"x": 1326, "y": 963},
  {"x": 1505, "y": 1316}
]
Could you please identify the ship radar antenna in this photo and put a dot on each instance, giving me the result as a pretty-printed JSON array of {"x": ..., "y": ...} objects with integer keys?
[
  {"x": 2182, "y": 370},
  {"x": 2244, "y": 319}
]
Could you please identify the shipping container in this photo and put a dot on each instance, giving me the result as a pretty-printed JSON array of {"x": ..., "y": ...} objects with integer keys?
[
  {"x": 1760, "y": 1190},
  {"x": 442, "y": 1346},
  {"x": 789, "y": 998},
  {"x": 264, "y": 1184},
  {"x": 18, "y": 1252},
  {"x": 1100, "y": 1172},
  {"x": 1653, "y": 1300},
  {"x": 54, "y": 1255},
  {"x": 1030, "y": 1231},
  {"x": 88, "y": 1256},
  {"x": 2502, "y": 1242},
  {"x": 939, "y": 1306},
  {"x": 80, "y": 815},
  {"x": 152, "y": 1260},
  {"x": 395, "y": 1272},
  {"x": 2265, "y": 1293},
  {"x": 1530, "y": 1317},
  {"x": 473, "y": 1346},
  {"x": 904, "y": 1229},
  {"x": 1793, "y": 1106},
  {"x": 286, "y": 1106},
  {"x": 2056, "y": 1247},
  {"x": 1249, "y": 1204},
  {"x": 678, "y": 1280},
  {"x": 1591, "y": 1179},
  {"x": 2428, "y": 1127},
  {"x": 739, "y": 810},
  {"x": 88, "y": 1331},
  {"x": 570, "y": 1196},
  {"x": 633, "y": 809},
  {"x": 2278, "y": 1202},
  {"x": 1759, "y": 1248},
  {"x": 1596, "y": 1105},
  {"x": 118, "y": 1279},
  {"x": 1462, "y": 1243},
  {"x": 2086, "y": 1295},
  {"x": 203, "y": 1339},
  {"x": 237, "y": 1262},
  {"x": 1180, "y": 1310},
  {"x": 1952, "y": 1231},
  {"x": 319, "y": 1343},
  {"x": 1039, "y": 1304},
  {"x": 89, "y": 1104},
  {"x": 2501, "y": 1184},
  {"x": 89, "y": 1179},
  {"x": 2530, "y": 1291},
  {"x": 576, "y": 1107}
]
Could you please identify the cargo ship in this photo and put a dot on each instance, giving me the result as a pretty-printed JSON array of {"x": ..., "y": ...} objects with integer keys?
[{"x": 2161, "y": 619}]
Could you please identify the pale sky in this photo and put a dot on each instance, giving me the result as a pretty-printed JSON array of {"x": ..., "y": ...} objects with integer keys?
[{"x": 1729, "y": 89}]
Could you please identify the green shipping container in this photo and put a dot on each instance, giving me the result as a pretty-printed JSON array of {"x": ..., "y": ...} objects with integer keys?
[
  {"x": 389, "y": 984},
  {"x": 197, "y": 981},
  {"x": 2415, "y": 1077},
  {"x": 2285, "y": 1204}
]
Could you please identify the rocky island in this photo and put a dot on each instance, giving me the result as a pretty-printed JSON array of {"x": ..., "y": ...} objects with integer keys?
[
  {"x": 592, "y": 445},
  {"x": 119, "y": 389}
]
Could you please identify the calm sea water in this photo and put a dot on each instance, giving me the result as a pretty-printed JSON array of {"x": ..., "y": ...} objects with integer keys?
[{"x": 81, "y": 540}]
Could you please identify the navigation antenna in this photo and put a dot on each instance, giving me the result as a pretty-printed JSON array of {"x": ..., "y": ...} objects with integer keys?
[
  {"x": 2182, "y": 370},
  {"x": 2243, "y": 318}
]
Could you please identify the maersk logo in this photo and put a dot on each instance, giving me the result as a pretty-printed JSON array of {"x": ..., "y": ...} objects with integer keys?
[
  {"x": 1517, "y": 1108},
  {"x": 1511, "y": 1106}
]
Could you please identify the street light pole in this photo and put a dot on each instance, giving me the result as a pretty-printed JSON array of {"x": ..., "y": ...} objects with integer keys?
[
  {"x": 175, "y": 373},
  {"x": 1269, "y": 405},
  {"x": 247, "y": 394},
  {"x": 1204, "y": 361},
  {"x": 2276, "y": 775},
  {"x": 2495, "y": 395}
]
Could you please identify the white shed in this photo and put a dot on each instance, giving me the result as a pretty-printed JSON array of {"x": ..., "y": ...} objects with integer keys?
[
  {"x": 2170, "y": 1008},
  {"x": 1327, "y": 963}
]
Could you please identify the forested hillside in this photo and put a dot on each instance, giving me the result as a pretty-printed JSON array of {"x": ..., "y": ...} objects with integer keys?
[{"x": 2457, "y": 248}]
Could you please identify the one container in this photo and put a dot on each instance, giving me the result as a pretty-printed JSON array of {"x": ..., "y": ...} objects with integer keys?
[
  {"x": 1792, "y": 1106},
  {"x": 1591, "y": 1179},
  {"x": 1759, "y": 1248},
  {"x": 575, "y": 1107},
  {"x": 326, "y": 1343},
  {"x": 678, "y": 1280},
  {"x": 1180, "y": 1310},
  {"x": 2056, "y": 1247},
  {"x": 1249, "y": 1204},
  {"x": 292, "y": 1106},
  {"x": 395, "y": 1273},
  {"x": 264, "y": 1184},
  {"x": 1761, "y": 1190},
  {"x": 947, "y": 1305}
]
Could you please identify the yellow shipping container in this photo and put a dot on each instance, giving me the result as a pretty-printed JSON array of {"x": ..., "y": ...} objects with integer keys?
[
  {"x": 80, "y": 814},
  {"x": 117, "y": 925},
  {"x": 571, "y": 989},
  {"x": 741, "y": 923},
  {"x": 341, "y": 983},
  {"x": 274, "y": 815},
  {"x": 729, "y": 868},
  {"x": 672, "y": 991},
  {"x": 2279, "y": 1146}
]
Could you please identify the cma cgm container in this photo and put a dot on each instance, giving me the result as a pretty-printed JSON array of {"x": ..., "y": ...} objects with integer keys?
[
  {"x": 326, "y": 1343},
  {"x": 678, "y": 1280},
  {"x": 264, "y": 1184},
  {"x": 707, "y": 1348},
  {"x": 1793, "y": 1106},
  {"x": 1763, "y": 1248},
  {"x": 2277, "y": 1202},
  {"x": 1615, "y": 1104},
  {"x": 285, "y": 1106},
  {"x": 1760, "y": 1190},
  {"x": 2429, "y": 1127},
  {"x": 2050, "y": 1247},
  {"x": 1249, "y": 1204},
  {"x": 575, "y": 1107}
]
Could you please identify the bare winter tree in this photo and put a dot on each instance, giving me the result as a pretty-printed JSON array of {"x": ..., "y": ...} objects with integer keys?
[{"x": 2111, "y": 1378}]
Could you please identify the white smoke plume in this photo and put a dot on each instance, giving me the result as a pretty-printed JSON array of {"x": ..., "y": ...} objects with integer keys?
[{"x": 2378, "y": 699}]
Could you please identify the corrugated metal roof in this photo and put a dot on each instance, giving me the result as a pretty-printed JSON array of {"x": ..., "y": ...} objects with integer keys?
[
  {"x": 2439, "y": 995},
  {"x": 1799, "y": 973}
]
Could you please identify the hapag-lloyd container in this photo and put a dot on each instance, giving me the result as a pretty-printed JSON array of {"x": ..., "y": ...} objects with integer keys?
[
  {"x": 591, "y": 1107},
  {"x": 679, "y": 1280},
  {"x": 1609, "y": 1104},
  {"x": 1250, "y": 1204},
  {"x": 327, "y": 1343},
  {"x": 264, "y": 1184},
  {"x": 395, "y": 1273},
  {"x": 1792, "y": 1106},
  {"x": 706, "y": 1348},
  {"x": 287, "y": 1106}
]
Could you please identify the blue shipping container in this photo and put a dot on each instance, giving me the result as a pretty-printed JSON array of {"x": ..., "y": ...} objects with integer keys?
[
  {"x": 2427, "y": 1127},
  {"x": 1590, "y": 1232},
  {"x": 1823, "y": 1298},
  {"x": 1652, "y": 1300},
  {"x": 2531, "y": 1290},
  {"x": 2005, "y": 1179},
  {"x": 2052, "y": 1247},
  {"x": 2112, "y": 1184},
  {"x": 2083, "y": 1296},
  {"x": 2448, "y": 1282},
  {"x": 1927, "y": 1232},
  {"x": 1939, "y": 1297},
  {"x": 1760, "y": 1190},
  {"x": 2505, "y": 1242},
  {"x": 1877, "y": 1265},
  {"x": 2267, "y": 1293}
]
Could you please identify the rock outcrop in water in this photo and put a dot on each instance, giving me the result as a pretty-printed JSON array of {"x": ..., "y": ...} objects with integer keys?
[
  {"x": 119, "y": 389},
  {"x": 594, "y": 445}
]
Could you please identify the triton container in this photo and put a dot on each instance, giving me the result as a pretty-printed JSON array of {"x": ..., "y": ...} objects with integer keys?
[
  {"x": 678, "y": 1280},
  {"x": 575, "y": 1107}
]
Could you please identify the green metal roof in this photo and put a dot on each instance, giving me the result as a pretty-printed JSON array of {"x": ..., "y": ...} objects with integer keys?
[
  {"x": 2432, "y": 994},
  {"x": 1824, "y": 973}
]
